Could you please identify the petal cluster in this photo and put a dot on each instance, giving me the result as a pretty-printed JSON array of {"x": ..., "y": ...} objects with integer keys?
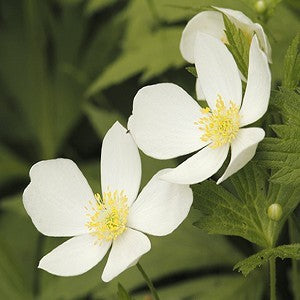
[
  {"x": 60, "y": 202},
  {"x": 211, "y": 23}
]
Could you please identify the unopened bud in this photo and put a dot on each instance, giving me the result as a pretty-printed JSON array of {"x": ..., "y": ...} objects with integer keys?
[
  {"x": 275, "y": 212},
  {"x": 260, "y": 6}
]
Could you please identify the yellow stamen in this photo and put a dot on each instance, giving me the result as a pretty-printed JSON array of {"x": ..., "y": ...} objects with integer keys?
[
  {"x": 108, "y": 216},
  {"x": 221, "y": 125}
]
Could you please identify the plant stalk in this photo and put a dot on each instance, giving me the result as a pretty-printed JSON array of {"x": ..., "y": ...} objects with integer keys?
[
  {"x": 295, "y": 275},
  {"x": 149, "y": 282},
  {"x": 272, "y": 278}
]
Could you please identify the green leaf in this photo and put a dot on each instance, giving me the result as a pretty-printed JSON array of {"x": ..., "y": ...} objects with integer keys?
[
  {"x": 249, "y": 264},
  {"x": 18, "y": 262},
  {"x": 13, "y": 204},
  {"x": 102, "y": 119},
  {"x": 239, "y": 207},
  {"x": 216, "y": 287},
  {"x": 94, "y": 6},
  {"x": 238, "y": 44},
  {"x": 242, "y": 214},
  {"x": 47, "y": 98},
  {"x": 192, "y": 70},
  {"x": 12, "y": 166},
  {"x": 282, "y": 153},
  {"x": 154, "y": 55},
  {"x": 291, "y": 71},
  {"x": 122, "y": 293}
]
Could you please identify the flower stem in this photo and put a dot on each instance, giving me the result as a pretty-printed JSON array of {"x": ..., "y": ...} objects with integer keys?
[
  {"x": 148, "y": 281},
  {"x": 272, "y": 278},
  {"x": 293, "y": 231}
]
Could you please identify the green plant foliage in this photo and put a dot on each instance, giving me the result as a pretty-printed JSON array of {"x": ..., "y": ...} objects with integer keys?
[
  {"x": 122, "y": 293},
  {"x": 243, "y": 214},
  {"x": 159, "y": 45},
  {"x": 217, "y": 287},
  {"x": 192, "y": 70},
  {"x": 282, "y": 153},
  {"x": 93, "y": 6},
  {"x": 285, "y": 251},
  {"x": 291, "y": 76},
  {"x": 53, "y": 53},
  {"x": 240, "y": 208},
  {"x": 238, "y": 45}
]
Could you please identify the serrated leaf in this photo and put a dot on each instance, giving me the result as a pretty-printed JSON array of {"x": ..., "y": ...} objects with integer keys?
[
  {"x": 249, "y": 264},
  {"x": 238, "y": 44},
  {"x": 242, "y": 214},
  {"x": 291, "y": 71},
  {"x": 282, "y": 153},
  {"x": 239, "y": 207},
  {"x": 122, "y": 293}
]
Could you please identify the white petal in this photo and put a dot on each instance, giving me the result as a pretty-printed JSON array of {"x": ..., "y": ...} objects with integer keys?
[
  {"x": 257, "y": 94},
  {"x": 243, "y": 149},
  {"x": 120, "y": 163},
  {"x": 161, "y": 206},
  {"x": 263, "y": 41},
  {"x": 209, "y": 22},
  {"x": 199, "y": 167},
  {"x": 245, "y": 24},
  {"x": 199, "y": 90},
  {"x": 56, "y": 197},
  {"x": 236, "y": 16},
  {"x": 126, "y": 250},
  {"x": 217, "y": 71},
  {"x": 75, "y": 256},
  {"x": 162, "y": 122}
]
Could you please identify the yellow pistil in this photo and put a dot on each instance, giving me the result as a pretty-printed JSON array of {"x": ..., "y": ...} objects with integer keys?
[
  {"x": 108, "y": 216},
  {"x": 221, "y": 125}
]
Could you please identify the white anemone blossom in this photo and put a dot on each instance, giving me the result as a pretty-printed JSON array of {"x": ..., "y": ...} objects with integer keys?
[
  {"x": 211, "y": 23},
  {"x": 166, "y": 122},
  {"x": 61, "y": 203}
]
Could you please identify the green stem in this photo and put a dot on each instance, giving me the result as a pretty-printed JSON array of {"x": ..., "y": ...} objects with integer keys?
[
  {"x": 148, "y": 281},
  {"x": 272, "y": 278},
  {"x": 295, "y": 274}
]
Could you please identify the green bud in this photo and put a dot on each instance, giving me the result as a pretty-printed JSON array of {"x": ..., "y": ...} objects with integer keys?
[
  {"x": 275, "y": 212},
  {"x": 260, "y": 6}
]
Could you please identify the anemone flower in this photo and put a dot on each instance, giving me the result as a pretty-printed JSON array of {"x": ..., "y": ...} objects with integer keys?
[
  {"x": 61, "y": 203},
  {"x": 166, "y": 122},
  {"x": 211, "y": 22}
]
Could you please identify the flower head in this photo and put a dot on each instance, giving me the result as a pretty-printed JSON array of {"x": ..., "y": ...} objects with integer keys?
[
  {"x": 166, "y": 122},
  {"x": 211, "y": 23},
  {"x": 61, "y": 203}
]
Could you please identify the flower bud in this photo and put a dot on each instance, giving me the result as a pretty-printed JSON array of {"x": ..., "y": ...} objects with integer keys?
[
  {"x": 260, "y": 6},
  {"x": 275, "y": 212}
]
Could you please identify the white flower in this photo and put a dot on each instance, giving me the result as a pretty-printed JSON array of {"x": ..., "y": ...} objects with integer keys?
[
  {"x": 61, "y": 203},
  {"x": 166, "y": 122},
  {"x": 211, "y": 22}
]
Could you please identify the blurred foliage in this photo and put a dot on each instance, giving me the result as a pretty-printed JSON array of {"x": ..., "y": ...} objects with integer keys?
[{"x": 68, "y": 70}]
